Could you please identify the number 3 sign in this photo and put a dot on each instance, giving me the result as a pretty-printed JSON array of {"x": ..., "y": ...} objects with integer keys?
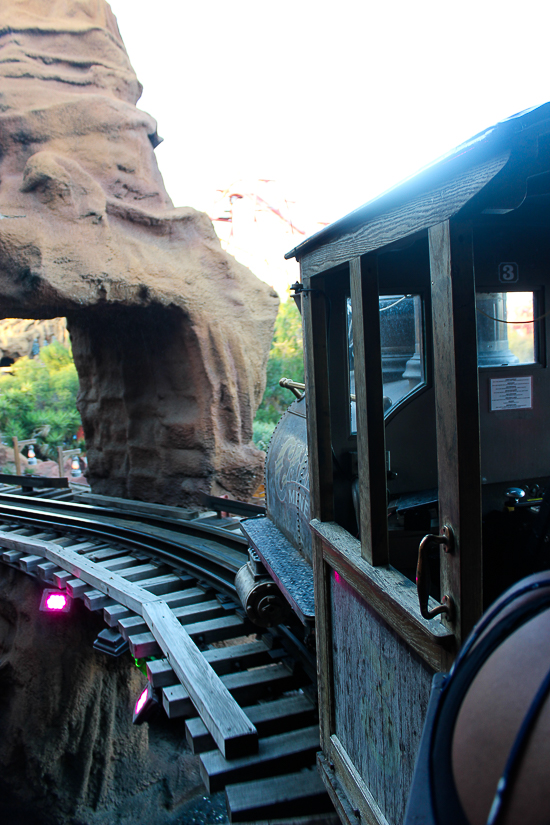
[{"x": 508, "y": 273}]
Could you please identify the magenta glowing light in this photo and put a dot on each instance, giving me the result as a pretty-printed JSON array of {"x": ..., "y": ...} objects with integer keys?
[
  {"x": 146, "y": 707},
  {"x": 141, "y": 701},
  {"x": 56, "y": 601}
]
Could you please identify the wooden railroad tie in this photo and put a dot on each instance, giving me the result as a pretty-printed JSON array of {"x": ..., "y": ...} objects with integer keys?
[
  {"x": 246, "y": 715},
  {"x": 229, "y": 726}
]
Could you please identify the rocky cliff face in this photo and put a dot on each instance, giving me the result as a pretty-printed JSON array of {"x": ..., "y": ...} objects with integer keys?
[
  {"x": 69, "y": 753},
  {"x": 17, "y": 336},
  {"x": 170, "y": 334}
]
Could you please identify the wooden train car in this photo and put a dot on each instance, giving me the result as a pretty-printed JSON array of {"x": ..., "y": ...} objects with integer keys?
[{"x": 428, "y": 389}]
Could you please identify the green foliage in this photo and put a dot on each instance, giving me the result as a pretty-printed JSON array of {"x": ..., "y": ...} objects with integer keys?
[
  {"x": 38, "y": 400},
  {"x": 261, "y": 433},
  {"x": 285, "y": 361}
]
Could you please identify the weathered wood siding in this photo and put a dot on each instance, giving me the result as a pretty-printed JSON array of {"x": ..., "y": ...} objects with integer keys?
[{"x": 381, "y": 692}]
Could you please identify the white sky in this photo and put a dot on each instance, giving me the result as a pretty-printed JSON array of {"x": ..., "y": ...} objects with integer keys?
[{"x": 336, "y": 101}]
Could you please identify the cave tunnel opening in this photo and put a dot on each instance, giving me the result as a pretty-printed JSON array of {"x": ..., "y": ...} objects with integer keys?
[
  {"x": 67, "y": 712},
  {"x": 158, "y": 404},
  {"x": 38, "y": 391}
]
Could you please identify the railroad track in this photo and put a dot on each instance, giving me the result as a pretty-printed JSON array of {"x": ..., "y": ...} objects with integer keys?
[{"x": 164, "y": 580}]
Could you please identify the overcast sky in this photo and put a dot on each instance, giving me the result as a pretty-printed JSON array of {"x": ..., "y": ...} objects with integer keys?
[{"x": 336, "y": 101}]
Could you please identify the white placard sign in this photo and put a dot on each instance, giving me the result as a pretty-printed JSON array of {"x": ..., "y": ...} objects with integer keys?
[{"x": 512, "y": 393}]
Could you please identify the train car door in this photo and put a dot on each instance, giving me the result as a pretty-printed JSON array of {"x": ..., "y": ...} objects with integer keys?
[{"x": 376, "y": 652}]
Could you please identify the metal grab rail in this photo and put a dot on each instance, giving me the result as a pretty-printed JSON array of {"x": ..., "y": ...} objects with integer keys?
[{"x": 423, "y": 575}]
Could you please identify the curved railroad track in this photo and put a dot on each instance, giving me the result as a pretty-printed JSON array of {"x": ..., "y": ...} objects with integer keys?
[{"x": 164, "y": 579}]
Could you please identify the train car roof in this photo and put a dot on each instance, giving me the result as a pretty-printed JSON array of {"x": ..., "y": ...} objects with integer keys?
[{"x": 443, "y": 188}]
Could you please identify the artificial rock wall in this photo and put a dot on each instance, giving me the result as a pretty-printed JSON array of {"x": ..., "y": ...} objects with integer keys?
[
  {"x": 69, "y": 753},
  {"x": 17, "y": 336},
  {"x": 170, "y": 334}
]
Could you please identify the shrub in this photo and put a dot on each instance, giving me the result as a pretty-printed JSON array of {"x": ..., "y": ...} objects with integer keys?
[
  {"x": 38, "y": 400},
  {"x": 261, "y": 433},
  {"x": 285, "y": 361}
]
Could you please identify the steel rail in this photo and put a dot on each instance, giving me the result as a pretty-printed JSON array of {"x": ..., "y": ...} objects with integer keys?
[
  {"x": 204, "y": 556},
  {"x": 178, "y": 524}
]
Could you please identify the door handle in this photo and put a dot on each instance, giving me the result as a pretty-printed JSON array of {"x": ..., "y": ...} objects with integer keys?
[{"x": 423, "y": 575}]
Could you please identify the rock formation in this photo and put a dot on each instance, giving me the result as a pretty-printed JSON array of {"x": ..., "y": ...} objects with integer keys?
[
  {"x": 170, "y": 334},
  {"x": 17, "y": 337},
  {"x": 170, "y": 337}
]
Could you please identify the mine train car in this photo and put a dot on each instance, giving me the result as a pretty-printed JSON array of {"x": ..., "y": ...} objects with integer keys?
[{"x": 425, "y": 317}]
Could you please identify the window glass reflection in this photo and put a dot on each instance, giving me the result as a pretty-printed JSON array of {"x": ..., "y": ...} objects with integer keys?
[
  {"x": 402, "y": 343},
  {"x": 505, "y": 328}
]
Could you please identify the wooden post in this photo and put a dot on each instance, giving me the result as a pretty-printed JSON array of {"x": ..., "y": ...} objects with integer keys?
[
  {"x": 320, "y": 474},
  {"x": 371, "y": 444},
  {"x": 16, "y": 456},
  {"x": 457, "y": 418},
  {"x": 317, "y": 400}
]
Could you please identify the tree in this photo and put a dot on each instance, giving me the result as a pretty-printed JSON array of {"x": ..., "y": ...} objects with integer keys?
[
  {"x": 285, "y": 361},
  {"x": 38, "y": 399}
]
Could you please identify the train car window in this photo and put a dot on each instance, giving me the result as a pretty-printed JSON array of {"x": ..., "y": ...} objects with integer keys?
[
  {"x": 402, "y": 342},
  {"x": 507, "y": 334}
]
